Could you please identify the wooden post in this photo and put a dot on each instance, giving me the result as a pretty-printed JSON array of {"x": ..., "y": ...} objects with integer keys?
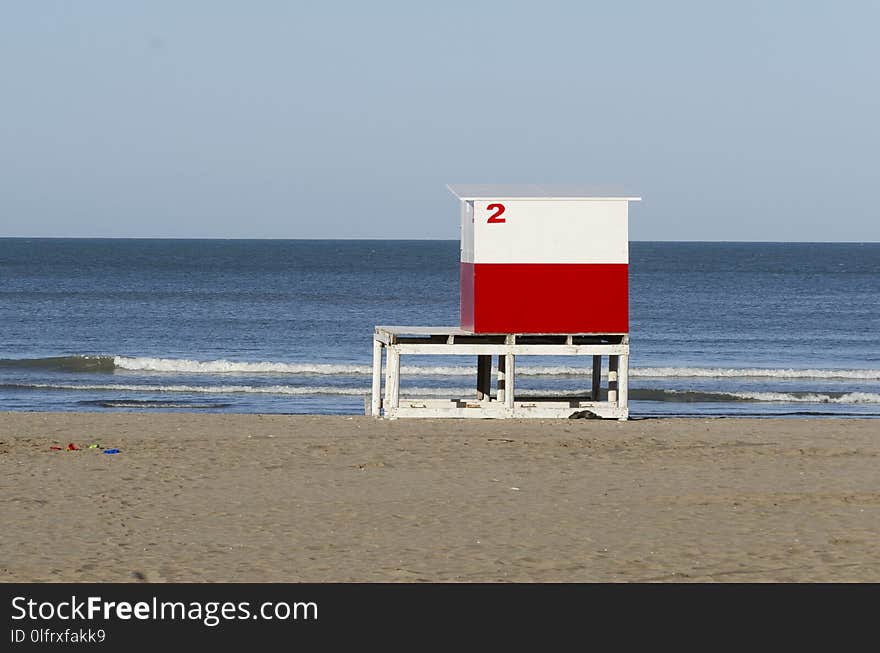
[
  {"x": 510, "y": 369},
  {"x": 484, "y": 376},
  {"x": 612, "y": 379},
  {"x": 502, "y": 376},
  {"x": 392, "y": 380},
  {"x": 623, "y": 395},
  {"x": 376, "y": 403},
  {"x": 395, "y": 378},
  {"x": 597, "y": 378}
]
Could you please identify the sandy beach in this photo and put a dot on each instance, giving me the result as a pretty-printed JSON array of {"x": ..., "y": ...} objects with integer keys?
[{"x": 226, "y": 497}]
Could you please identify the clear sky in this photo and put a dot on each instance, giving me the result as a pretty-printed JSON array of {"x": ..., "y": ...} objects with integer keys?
[{"x": 733, "y": 120}]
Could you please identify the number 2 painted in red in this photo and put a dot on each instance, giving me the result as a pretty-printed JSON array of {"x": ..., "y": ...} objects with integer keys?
[{"x": 499, "y": 209}]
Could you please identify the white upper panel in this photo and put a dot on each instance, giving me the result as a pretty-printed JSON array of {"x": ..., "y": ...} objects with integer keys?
[
  {"x": 538, "y": 192},
  {"x": 545, "y": 231}
]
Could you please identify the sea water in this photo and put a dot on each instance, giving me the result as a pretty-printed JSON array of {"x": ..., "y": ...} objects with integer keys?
[{"x": 285, "y": 326}]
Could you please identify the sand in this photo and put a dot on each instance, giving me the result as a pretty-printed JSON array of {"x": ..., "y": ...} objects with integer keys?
[{"x": 198, "y": 497}]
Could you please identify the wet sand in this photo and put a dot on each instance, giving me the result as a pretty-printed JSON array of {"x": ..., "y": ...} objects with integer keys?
[{"x": 196, "y": 497}]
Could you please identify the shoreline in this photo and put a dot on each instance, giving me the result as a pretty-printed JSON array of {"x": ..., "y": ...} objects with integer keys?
[
  {"x": 286, "y": 498},
  {"x": 196, "y": 412}
]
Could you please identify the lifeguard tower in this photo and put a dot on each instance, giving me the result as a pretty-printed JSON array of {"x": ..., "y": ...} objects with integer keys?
[{"x": 544, "y": 271}]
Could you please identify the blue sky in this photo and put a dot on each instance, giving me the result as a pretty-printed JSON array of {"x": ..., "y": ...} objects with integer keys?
[{"x": 734, "y": 121}]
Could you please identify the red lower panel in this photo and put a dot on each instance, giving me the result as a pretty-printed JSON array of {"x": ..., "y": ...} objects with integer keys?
[{"x": 544, "y": 298}]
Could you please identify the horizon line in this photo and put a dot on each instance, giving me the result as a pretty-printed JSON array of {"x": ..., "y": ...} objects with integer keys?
[{"x": 817, "y": 242}]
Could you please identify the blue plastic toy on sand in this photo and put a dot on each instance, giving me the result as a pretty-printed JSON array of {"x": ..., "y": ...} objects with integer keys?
[{"x": 111, "y": 451}]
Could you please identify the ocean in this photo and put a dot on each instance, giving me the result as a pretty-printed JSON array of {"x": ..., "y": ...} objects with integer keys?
[{"x": 285, "y": 326}]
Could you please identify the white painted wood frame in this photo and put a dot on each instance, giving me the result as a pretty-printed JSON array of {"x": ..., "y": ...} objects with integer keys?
[{"x": 396, "y": 341}]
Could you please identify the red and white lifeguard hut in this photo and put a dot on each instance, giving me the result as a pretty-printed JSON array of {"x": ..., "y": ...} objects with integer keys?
[
  {"x": 543, "y": 259},
  {"x": 544, "y": 271}
]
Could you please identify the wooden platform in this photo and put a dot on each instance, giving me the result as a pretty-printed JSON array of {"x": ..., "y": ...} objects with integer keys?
[{"x": 395, "y": 341}]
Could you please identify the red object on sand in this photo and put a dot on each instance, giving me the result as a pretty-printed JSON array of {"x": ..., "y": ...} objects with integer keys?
[
  {"x": 72, "y": 447},
  {"x": 55, "y": 448}
]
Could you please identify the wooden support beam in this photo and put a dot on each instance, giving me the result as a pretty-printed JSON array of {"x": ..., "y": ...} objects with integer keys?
[
  {"x": 461, "y": 349},
  {"x": 597, "y": 378},
  {"x": 510, "y": 367},
  {"x": 484, "y": 377},
  {"x": 612, "y": 378},
  {"x": 623, "y": 391},
  {"x": 392, "y": 380},
  {"x": 376, "y": 398},
  {"x": 502, "y": 377},
  {"x": 394, "y": 363}
]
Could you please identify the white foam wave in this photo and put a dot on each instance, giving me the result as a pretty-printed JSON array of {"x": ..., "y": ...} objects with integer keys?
[
  {"x": 249, "y": 389},
  {"x": 737, "y": 372},
  {"x": 142, "y": 364},
  {"x": 811, "y": 398},
  {"x": 222, "y": 366}
]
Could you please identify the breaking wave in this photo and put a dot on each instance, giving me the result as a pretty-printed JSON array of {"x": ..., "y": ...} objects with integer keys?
[
  {"x": 229, "y": 389},
  {"x": 88, "y": 363},
  {"x": 776, "y": 397},
  {"x": 754, "y": 373},
  {"x": 225, "y": 367}
]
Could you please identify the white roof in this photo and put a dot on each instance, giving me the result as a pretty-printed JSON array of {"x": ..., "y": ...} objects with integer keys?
[{"x": 538, "y": 192}]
